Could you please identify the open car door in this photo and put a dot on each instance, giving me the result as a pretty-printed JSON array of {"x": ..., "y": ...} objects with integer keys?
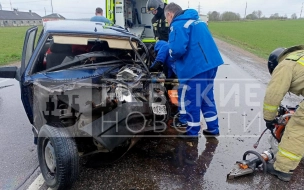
[{"x": 28, "y": 49}]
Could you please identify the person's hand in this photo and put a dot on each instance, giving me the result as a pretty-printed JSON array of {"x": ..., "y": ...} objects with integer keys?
[
  {"x": 157, "y": 66},
  {"x": 270, "y": 124}
]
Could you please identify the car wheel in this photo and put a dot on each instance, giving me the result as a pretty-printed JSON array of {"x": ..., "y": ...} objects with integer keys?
[{"x": 58, "y": 156}]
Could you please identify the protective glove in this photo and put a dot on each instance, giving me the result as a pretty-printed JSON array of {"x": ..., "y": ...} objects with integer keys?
[
  {"x": 270, "y": 124},
  {"x": 157, "y": 66}
]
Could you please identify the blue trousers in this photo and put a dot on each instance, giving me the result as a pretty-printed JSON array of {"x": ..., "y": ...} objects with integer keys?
[{"x": 196, "y": 96}]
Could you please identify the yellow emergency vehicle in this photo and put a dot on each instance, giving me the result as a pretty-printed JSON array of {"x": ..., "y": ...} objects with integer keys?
[{"x": 133, "y": 15}]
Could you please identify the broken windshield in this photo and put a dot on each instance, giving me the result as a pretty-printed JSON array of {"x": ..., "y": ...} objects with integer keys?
[
  {"x": 70, "y": 51},
  {"x": 87, "y": 59}
]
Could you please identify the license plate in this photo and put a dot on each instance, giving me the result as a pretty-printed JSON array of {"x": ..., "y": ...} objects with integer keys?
[{"x": 159, "y": 109}]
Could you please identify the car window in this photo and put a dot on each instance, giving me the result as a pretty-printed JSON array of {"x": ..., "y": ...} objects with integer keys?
[{"x": 29, "y": 47}]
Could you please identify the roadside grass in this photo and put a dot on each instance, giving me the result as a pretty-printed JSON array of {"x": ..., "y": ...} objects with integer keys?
[
  {"x": 260, "y": 37},
  {"x": 11, "y": 43}
]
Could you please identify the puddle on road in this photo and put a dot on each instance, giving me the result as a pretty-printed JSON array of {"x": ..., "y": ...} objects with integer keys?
[{"x": 171, "y": 163}]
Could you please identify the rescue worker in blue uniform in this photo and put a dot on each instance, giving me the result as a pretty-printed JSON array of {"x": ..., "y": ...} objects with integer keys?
[
  {"x": 163, "y": 62},
  {"x": 196, "y": 61}
]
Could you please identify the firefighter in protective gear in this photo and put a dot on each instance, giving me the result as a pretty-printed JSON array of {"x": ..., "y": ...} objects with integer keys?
[
  {"x": 159, "y": 22},
  {"x": 287, "y": 76}
]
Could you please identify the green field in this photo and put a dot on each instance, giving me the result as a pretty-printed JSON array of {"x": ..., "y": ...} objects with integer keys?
[
  {"x": 260, "y": 37},
  {"x": 11, "y": 43}
]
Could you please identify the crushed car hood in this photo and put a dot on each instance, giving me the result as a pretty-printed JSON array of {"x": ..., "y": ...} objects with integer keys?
[{"x": 73, "y": 74}]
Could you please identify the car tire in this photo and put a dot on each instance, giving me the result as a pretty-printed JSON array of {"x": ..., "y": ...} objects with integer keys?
[{"x": 58, "y": 156}]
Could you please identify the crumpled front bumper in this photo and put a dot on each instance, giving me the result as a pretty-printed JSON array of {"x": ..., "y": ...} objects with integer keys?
[{"x": 121, "y": 124}]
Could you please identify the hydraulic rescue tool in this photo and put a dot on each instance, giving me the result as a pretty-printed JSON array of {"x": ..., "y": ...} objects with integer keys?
[{"x": 259, "y": 160}]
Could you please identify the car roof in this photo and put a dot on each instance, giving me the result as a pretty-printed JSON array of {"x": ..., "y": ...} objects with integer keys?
[{"x": 84, "y": 27}]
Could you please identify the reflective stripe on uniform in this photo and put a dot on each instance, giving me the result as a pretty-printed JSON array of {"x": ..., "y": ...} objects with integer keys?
[
  {"x": 182, "y": 100},
  {"x": 270, "y": 108},
  {"x": 155, "y": 26},
  {"x": 188, "y": 23},
  {"x": 295, "y": 56},
  {"x": 167, "y": 24},
  {"x": 148, "y": 40},
  {"x": 301, "y": 61},
  {"x": 170, "y": 52},
  {"x": 289, "y": 155},
  {"x": 210, "y": 119},
  {"x": 193, "y": 124}
]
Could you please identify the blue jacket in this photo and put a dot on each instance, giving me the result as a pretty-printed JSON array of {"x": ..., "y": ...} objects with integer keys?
[
  {"x": 162, "y": 47},
  {"x": 192, "y": 46}
]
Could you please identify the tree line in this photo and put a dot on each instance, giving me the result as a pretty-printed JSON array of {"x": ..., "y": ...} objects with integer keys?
[{"x": 255, "y": 15}]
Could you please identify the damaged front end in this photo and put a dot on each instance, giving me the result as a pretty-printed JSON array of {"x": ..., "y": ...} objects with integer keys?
[
  {"x": 110, "y": 109},
  {"x": 87, "y": 90}
]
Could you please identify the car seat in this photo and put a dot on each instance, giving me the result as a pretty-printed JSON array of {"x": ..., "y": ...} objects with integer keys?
[{"x": 57, "y": 55}]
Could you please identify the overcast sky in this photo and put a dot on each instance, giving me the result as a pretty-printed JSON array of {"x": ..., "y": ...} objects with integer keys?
[{"x": 85, "y": 8}]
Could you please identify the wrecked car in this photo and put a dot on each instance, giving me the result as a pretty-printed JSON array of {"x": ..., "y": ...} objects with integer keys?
[{"x": 86, "y": 89}]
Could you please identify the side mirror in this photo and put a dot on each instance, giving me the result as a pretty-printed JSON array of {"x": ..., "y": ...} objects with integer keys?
[{"x": 8, "y": 72}]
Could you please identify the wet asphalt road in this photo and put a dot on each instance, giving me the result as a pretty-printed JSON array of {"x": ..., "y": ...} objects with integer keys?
[
  {"x": 160, "y": 163},
  {"x": 169, "y": 163},
  {"x": 18, "y": 157}
]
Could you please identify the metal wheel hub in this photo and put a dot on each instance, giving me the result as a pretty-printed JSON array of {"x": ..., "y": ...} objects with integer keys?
[{"x": 50, "y": 158}]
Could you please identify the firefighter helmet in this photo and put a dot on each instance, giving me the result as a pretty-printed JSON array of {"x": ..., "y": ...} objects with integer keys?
[
  {"x": 154, "y": 4},
  {"x": 273, "y": 60}
]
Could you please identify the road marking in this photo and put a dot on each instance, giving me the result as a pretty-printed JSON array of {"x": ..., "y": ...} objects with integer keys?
[{"x": 39, "y": 181}]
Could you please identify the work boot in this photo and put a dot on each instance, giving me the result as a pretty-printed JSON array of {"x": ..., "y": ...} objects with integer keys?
[
  {"x": 213, "y": 133},
  {"x": 179, "y": 124},
  {"x": 281, "y": 175}
]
